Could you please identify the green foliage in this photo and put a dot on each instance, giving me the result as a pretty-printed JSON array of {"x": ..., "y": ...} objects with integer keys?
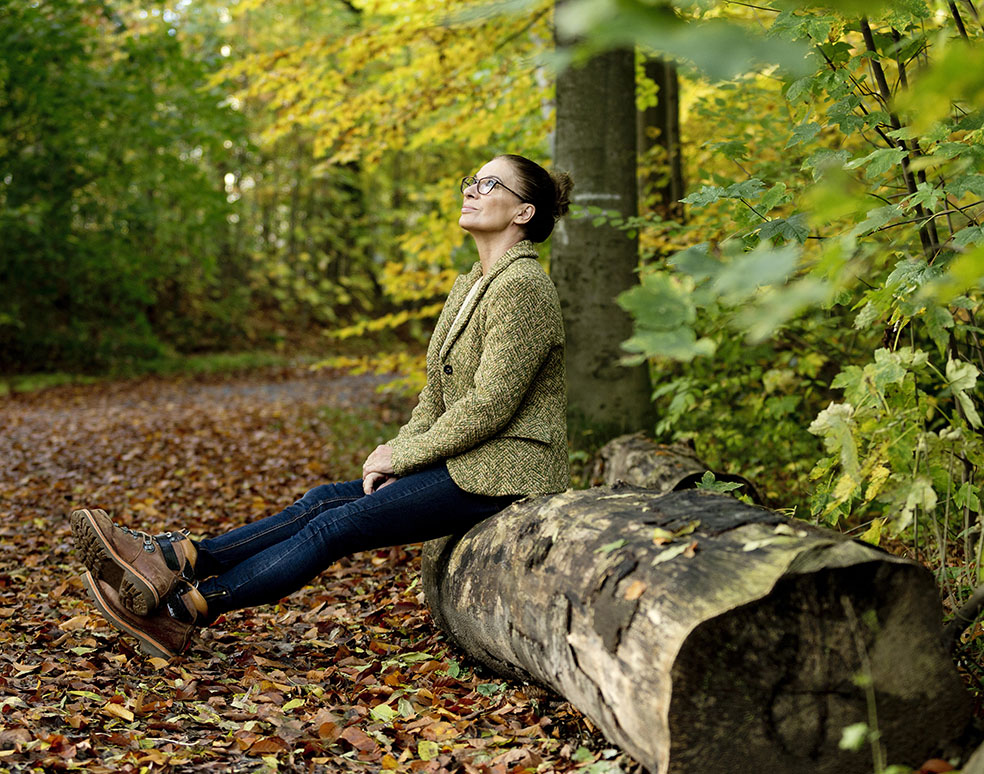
[
  {"x": 838, "y": 275},
  {"x": 112, "y": 231},
  {"x": 709, "y": 483}
]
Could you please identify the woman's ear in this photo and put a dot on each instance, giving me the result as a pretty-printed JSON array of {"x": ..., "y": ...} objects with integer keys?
[{"x": 525, "y": 214}]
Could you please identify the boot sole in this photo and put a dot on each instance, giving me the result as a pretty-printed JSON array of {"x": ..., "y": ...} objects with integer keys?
[
  {"x": 148, "y": 644},
  {"x": 136, "y": 594}
]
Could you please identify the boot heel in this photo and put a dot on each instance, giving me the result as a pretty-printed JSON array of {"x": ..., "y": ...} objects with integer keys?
[{"x": 136, "y": 596}]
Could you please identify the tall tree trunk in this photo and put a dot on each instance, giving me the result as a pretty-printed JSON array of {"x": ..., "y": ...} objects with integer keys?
[
  {"x": 659, "y": 125},
  {"x": 591, "y": 264}
]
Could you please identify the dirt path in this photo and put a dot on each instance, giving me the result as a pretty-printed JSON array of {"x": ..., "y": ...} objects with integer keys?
[{"x": 349, "y": 674}]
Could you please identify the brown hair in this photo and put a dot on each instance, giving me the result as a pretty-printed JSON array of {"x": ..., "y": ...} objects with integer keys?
[{"x": 550, "y": 195}]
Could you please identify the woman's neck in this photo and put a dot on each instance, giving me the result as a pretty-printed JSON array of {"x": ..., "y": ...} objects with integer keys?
[{"x": 491, "y": 247}]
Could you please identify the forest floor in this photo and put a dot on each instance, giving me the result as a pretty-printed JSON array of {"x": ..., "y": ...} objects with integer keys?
[{"x": 349, "y": 674}]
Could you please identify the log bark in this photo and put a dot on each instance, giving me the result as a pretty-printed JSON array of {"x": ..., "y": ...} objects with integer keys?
[{"x": 731, "y": 639}]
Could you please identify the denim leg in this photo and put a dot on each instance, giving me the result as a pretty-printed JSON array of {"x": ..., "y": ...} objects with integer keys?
[
  {"x": 421, "y": 506},
  {"x": 220, "y": 554}
]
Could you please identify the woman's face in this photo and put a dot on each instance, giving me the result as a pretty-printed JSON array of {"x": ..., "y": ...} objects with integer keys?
[{"x": 500, "y": 208}]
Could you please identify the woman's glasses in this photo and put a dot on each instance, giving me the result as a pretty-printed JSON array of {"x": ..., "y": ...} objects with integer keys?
[{"x": 485, "y": 185}]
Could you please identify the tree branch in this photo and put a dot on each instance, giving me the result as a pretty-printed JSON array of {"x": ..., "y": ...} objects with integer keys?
[
  {"x": 928, "y": 243},
  {"x": 958, "y": 21}
]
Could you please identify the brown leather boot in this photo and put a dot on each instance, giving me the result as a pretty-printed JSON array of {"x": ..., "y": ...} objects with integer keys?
[
  {"x": 161, "y": 633},
  {"x": 143, "y": 569}
]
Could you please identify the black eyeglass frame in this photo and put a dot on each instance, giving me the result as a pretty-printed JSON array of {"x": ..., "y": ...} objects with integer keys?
[{"x": 471, "y": 180}]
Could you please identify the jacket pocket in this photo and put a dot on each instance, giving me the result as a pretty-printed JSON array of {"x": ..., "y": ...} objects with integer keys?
[{"x": 529, "y": 428}]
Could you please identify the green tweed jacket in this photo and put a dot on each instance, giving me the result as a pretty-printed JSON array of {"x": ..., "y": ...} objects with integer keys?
[{"x": 495, "y": 403}]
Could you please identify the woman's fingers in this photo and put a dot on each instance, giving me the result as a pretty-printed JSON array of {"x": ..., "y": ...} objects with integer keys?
[{"x": 371, "y": 481}]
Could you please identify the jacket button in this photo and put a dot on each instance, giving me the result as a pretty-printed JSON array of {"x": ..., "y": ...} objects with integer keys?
[{"x": 448, "y": 370}]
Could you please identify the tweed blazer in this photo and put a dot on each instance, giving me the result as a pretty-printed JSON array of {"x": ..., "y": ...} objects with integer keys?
[{"x": 495, "y": 403}]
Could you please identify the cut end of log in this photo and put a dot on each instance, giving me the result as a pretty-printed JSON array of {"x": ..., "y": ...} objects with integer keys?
[{"x": 773, "y": 684}]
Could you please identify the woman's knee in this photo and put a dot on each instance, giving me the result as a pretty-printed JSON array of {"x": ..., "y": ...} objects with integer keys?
[{"x": 339, "y": 493}]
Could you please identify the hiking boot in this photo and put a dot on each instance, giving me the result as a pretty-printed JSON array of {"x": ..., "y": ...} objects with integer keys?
[
  {"x": 143, "y": 569},
  {"x": 161, "y": 633}
]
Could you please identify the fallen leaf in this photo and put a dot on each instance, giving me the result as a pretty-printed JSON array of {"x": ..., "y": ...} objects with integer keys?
[
  {"x": 118, "y": 710},
  {"x": 358, "y": 739},
  {"x": 267, "y": 745},
  {"x": 634, "y": 590}
]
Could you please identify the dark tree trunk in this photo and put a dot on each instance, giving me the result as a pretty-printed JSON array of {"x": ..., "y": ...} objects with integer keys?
[
  {"x": 591, "y": 264},
  {"x": 702, "y": 634},
  {"x": 659, "y": 125}
]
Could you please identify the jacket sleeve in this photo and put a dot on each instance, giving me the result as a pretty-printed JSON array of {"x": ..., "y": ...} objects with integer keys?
[{"x": 518, "y": 336}]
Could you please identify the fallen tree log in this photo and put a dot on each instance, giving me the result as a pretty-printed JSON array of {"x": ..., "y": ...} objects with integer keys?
[
  {"x": 637, "y": 460},
  {"x": 703, "y": 634}
]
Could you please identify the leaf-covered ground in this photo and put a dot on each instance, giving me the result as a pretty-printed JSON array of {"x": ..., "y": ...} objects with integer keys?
[{"x": 348, "y": 675}]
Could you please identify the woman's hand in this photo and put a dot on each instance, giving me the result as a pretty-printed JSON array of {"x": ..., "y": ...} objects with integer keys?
[
  {"x": 377, "y": 470},
  {"x": 380, "y": 461},
  {"x": 373, "y": 482}
]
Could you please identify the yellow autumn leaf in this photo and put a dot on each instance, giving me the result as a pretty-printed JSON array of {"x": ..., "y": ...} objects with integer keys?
[{"x": 875, "y": 482}]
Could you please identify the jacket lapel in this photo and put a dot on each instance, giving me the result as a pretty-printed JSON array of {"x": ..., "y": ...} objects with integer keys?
[{"x": 522, "y": 249}]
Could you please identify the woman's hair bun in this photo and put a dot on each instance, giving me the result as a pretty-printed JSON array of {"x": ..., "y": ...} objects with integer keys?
[
  {"x": 563, "y": 185},
  {"x": 549, "y": 193}
]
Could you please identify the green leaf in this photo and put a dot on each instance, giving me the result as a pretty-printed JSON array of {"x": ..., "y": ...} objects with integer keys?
[
  {"x": 970, "y": 183},
  {"x": 582, "y": 755},
  {"x": 801, "y": 89},
  {"x": 803, "y": 133},
  {"x": 968, "y": 496},
  {"x": 734, "y": 150},
  {"x": 918, "y": 493},
  {"x": 878, "y": 162},
  {"x": 962, "y": 377},
  {"x": 792, "y": 229},
  {"x": 938, "y": 321},
  {"x": 658, "y": 303},
  {"x": 710, "y": 483},
  {"x": 887, "y": 369},
  {"x": 679, "y": 344},
  {"x": 763, "y": 266},
  {"x": 854, "y": 737},
  {"x": 773, "y": 198},
  {"x": 696, "y": 262},
  {"x": 490, "y": 689},
  {"x": 670, "y": 553},
  {"x": 664, "y": 315},
  {"x": 779, "y": 305},
  {"x": 876, "y": 218},
  {"x": 609, "y": 547},
  {"x": 428, "y": 750},
  {"x": 835, "y": 424},
  {"x": 746, "y": 189},
  {"x": 707, "y": 194},
  {"x": 971, "y": 235},
  {"x": 384, "y": 713}
]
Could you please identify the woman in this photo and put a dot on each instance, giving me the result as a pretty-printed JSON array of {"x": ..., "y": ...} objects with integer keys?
[{"x": 489, "y": 427}]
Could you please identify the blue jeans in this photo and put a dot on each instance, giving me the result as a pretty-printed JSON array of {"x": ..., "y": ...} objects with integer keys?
[{"x": 265, "y": 561}]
